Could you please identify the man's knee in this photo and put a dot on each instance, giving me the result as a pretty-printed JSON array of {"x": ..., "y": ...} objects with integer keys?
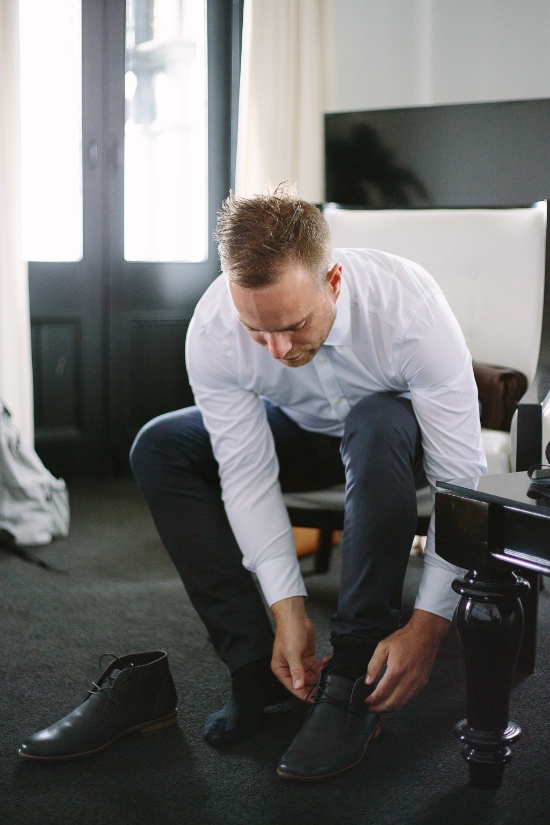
[
  {"x": 379, "y": 426},
  {"x": 143, "y": 449},
  {"x": 381, "y": 413},
  {"x": 165, "y": 438}
]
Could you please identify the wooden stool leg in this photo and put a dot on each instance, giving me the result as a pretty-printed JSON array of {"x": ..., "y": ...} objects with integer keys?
[{"x": 322, "y": 558}]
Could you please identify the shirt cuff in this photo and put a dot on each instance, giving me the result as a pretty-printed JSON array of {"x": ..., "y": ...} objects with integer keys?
[
  {"x": 435, "y": 594},
  {"x": 280, "y": 578}
]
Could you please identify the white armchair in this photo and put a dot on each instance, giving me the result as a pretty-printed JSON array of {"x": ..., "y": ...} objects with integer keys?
[{"x": 490, "y": 264}]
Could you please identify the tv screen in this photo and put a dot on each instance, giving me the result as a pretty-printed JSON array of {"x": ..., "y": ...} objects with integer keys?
[{"x": 474, "y": 154}]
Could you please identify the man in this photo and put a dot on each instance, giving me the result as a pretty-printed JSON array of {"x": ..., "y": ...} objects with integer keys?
[{"x": 311, "y": 366}]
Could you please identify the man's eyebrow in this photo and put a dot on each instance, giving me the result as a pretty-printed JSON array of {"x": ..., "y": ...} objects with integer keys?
[{"x": 284, "y": 329}]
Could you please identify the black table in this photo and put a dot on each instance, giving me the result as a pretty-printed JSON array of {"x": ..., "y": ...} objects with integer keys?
[{"x": 491, "y": 527}]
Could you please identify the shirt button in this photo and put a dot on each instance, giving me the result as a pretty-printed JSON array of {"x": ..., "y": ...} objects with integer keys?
[
  {"x": 337, "y": 400},
  {"x": 322, "y": 359}
]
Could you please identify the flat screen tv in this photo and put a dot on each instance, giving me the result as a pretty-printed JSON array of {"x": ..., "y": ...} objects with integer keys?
[{"x": 474, "y": 154}]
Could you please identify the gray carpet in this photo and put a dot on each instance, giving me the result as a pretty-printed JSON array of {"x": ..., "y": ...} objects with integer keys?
[{"x": 119, "y": 593}]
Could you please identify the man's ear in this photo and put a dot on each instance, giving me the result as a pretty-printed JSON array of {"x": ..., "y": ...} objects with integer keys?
[{"x": 334, "y": 280}]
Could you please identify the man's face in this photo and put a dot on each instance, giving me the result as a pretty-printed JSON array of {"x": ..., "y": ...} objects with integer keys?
[{"x": 291, "y": 318}]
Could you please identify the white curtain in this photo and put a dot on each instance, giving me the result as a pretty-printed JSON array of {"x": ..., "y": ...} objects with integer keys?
[
  {"x": 15, "y": 348},
  {"x": 285, "y": 71}
]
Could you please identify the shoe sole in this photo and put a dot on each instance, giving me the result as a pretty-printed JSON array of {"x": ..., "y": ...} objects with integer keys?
[
  {"x": 146, "y": 727},
  {"x": 320, "y": 777}
]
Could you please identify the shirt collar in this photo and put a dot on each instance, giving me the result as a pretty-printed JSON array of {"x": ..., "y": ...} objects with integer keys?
[{"x": 340, "y": 333}]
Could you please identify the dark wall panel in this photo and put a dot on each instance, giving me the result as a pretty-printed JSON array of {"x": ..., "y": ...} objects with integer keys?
[
  {"x": 57, "y": 367},
  {"x": 155, "y": 378}
]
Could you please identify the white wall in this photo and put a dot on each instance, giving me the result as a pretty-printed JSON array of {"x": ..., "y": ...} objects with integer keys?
[{"x": 388, "y": 53}]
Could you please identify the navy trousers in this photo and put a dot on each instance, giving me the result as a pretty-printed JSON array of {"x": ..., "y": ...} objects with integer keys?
[{"x": 380, "y": 459}]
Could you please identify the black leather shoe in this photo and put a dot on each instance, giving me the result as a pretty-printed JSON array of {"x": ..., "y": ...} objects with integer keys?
[
  {"x": 135, "y": 693},
  {"x": 336, "y": 733}
]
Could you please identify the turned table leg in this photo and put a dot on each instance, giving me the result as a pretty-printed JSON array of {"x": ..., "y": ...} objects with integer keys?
[{"x": 490, "y": 627}]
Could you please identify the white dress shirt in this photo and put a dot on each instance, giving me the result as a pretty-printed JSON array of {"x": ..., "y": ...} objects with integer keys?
[{"x": 393, "y": 330}]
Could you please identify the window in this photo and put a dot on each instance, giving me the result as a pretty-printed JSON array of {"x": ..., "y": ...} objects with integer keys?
[
  {"x": 165, "y": 145},
  {"x": 51, "y": 129}
]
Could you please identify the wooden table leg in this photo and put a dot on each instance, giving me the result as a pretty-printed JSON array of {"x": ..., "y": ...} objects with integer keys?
[{"x": 490, "y": 627}]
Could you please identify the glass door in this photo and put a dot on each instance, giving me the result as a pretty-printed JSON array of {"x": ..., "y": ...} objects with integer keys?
[
  {"x": 124, "y": 172},
  {"x": 175, "y": 80}
]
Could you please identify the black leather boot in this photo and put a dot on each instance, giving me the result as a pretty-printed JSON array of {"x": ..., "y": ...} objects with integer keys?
[
  {"x": 135, "y": 693},
  {"x": 336, "y": 733}
]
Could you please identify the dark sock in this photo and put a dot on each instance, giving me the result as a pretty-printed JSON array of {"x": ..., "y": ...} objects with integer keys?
[
  {"x": 350, "y": 657},
  {"x": 253, "y": 688}
]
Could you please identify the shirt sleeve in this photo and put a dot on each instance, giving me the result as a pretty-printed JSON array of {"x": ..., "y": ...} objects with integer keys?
[
  {"x": 437, "y": 365},
  {"x": 249, "y": 472}
]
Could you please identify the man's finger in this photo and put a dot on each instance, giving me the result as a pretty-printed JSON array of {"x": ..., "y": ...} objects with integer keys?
[
  {"x": 298, "y": 675},
  {"x": 392, "y": 693},
  {"x": 383, "y": 690},
  {"x": 312, "y": 671},
  {"x": 286, "y": 679},
  {"x": 377, "y": 662}
]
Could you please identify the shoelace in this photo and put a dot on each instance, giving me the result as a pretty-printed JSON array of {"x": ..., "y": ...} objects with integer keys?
[
  {"x": 322, "y": 696},
  {"x": 105, "y": 689}
]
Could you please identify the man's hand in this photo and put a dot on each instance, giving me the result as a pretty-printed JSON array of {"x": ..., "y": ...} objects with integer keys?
[
  {"x": 409, "y": 654},
  {"x": 293, "y": 661}
]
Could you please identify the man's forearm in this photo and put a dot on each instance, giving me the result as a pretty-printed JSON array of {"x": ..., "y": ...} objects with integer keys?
[
  {"x": 290, "y": 610},
  {"x": 429, "y": 625}
]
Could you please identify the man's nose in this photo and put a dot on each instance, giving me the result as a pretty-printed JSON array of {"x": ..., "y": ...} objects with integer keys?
[{"x": 278, "y": 344}]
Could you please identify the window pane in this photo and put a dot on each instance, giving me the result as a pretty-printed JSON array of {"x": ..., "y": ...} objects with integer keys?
[
  {"x": 51, "y": 129},
  {"x": 165, "y": 149}
]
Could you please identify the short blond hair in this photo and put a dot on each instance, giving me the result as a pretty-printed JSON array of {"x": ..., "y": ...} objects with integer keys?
[{"x": 258, "y": 236}]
